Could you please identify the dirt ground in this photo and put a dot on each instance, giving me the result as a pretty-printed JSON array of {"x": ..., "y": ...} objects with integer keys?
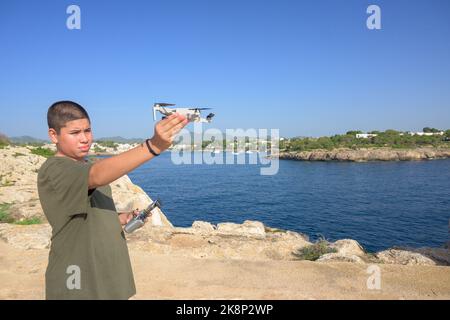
[{"x": 160, "y": 276}]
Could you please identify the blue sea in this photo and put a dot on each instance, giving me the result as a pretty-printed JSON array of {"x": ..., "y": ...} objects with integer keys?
[{"x": 379, "y": 204}]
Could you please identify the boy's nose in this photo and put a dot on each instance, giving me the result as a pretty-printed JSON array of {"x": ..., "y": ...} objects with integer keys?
[{"x": 84, "y": 137}]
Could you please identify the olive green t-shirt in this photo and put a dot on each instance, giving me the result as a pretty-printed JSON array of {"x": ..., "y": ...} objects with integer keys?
[{"x": 88, "y": 256}]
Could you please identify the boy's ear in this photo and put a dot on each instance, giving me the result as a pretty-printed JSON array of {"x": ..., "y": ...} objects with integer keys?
[{"x": 53, "y": 135}]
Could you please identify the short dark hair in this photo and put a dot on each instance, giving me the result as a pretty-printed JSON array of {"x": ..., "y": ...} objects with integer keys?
[{"x": 62, "y": 112}]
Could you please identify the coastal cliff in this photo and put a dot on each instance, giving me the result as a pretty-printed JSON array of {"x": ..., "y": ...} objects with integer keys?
[{"x": 369, "y": 154}]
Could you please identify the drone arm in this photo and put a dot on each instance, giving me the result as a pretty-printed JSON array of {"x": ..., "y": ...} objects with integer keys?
[{"x": 154, "y": 113}]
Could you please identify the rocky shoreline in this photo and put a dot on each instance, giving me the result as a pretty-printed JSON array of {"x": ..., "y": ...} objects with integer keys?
[
  {"x": 250, "y": 240},
  {"x": 369, "y": 154}
]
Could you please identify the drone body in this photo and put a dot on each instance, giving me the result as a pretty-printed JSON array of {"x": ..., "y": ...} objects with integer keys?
[{"x": 192, "y": 114}]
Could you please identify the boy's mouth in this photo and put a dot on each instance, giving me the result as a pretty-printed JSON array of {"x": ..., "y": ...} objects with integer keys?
[{"x": 84, "y": 148}]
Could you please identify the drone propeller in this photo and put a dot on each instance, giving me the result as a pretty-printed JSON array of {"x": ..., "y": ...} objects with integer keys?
[
  {"x": 199, "y": 108},
  {"x": 162, "y": 104}
]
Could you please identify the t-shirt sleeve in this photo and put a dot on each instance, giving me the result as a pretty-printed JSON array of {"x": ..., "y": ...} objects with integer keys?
[{"x": 70, "y": 182}]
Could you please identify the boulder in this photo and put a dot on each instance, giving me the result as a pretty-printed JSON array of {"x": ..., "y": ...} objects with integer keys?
[
  {"x": 338, "y": 257},
  {"x": 128, "y": 196},
  {"x": 396, "y": 256},
  {"x": 203, "y": 227},
  {"x": 348, "y": 247},
  {"x": 26, "y": 237},
  {"x": 441, "y": 256},
  {"x": 247, "y": 229}
]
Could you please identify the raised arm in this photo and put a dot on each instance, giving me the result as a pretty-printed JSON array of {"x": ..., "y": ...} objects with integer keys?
[{"x": 105, "y": 171}]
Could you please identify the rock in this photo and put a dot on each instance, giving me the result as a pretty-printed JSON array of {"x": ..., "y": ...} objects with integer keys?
[
  {"x": 248, "y": 229},
  {"x": 441, "y": 256},
  {"x": 26, "y": 237},
  {"x": 338, "y": 257},
  {"x": 348, "y": 247},
  {"x": 372, "y": 154},
  {"x": 395, "y": 256},
  {"x": 128, "y": 196},
  {"x": 202, "y": 226}
]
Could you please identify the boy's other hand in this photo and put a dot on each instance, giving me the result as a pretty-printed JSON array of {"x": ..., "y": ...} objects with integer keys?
[
  {"x": 166, "y": 130},
  {"x": 125, "y": 217}
]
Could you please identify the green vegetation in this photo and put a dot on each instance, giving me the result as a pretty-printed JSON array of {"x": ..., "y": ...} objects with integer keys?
[
  {"x": 389, "y": 138},
  {"x": 6, "y": 218},
  {"x": 43, "y": 152},
  {"x": 314, "y": 251},
  {"x": 4, "y": 141},
  {"x": 28, "y": 221},
  {"x": 107, "y": 144},
  {"x": 97, "y": 149},
  {"x": 4, "y": 213},
  {"x": 427, "y": 129},
  {"x": 274, "y": 230}
]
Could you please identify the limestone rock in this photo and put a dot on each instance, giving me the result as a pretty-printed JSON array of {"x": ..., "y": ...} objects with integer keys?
[
  {"x": 248, "y": 228},
  {"x": 375, "y": 154},
  {"x": 338, "y": 257},
  {"x": 348, "y": 247},
  {"x": 441, "y": 256},
  {"x": 128, "y": 196},
  {"x": 203, "y": 227},
  {"x": 396, "y": 256},
  {"x": 26, "y": 237}
]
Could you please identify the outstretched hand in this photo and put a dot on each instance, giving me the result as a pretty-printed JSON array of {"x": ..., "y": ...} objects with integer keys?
[{"x": 166, "y": 130}]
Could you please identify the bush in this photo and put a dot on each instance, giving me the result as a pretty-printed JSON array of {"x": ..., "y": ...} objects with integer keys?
[
  {"x": 314, "y": 251},
  {"x": 108, "y": 144},
  {"x": 43, "y": 152},
  {"x": 4, "y": 141},
  {"x": 6, "y": 218},
  {"x": 4, "y": 213},
  {"x": 98, "y": 149}
]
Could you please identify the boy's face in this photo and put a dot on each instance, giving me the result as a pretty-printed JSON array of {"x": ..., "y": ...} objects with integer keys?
[{"x": 74, "y": 140}]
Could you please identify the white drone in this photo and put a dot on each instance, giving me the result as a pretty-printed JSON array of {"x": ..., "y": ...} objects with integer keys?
[{"x": 192, "y": 114}]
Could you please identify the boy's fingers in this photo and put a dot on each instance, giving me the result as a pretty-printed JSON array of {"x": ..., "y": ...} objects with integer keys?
[
  {"x": 164, "y": 121},
  {"x": 172, "y": 122},
  {"x": 178, "y": 127}
]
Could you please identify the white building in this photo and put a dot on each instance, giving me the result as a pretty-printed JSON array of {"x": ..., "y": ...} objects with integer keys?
[
  {"x": 365, "y": 135},
  {"x": 440, "y": 133}
]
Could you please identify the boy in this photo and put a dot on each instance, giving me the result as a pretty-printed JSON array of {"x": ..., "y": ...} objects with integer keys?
[{"x": 89, "y": 257}]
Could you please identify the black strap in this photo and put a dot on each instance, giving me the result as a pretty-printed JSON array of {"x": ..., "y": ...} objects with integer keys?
[{"x": 150, "y": 148}]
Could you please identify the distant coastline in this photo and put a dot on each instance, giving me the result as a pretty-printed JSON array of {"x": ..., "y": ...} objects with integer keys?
[{"x": 368, "y": 154}]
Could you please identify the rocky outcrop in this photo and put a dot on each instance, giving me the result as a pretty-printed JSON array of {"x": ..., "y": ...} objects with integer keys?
[
  {"x": 128, "y": 196},
  {"x": 18, "y": 183},
  {"x": 249, "y": 240},
  {"x": 394, "y": 256},
  {"x": 416, "y": 256},
  {"x": 337, "y": 257},
  {"x": 362, "y": 155},
  {"x": 26, "y": 237}
]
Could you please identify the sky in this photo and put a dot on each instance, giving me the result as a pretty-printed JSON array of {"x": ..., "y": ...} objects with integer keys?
[{"x": 307, "y": 68}]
